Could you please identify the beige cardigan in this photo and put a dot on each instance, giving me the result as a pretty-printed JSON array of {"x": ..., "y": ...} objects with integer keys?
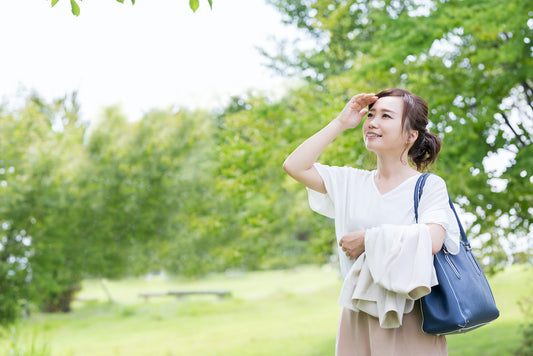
[{"x": 395, "y": 270}]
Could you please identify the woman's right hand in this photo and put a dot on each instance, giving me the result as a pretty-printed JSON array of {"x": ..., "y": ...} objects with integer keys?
[
  {"x": 353, "y": 244},
  {"x": 355, "y": 110}
]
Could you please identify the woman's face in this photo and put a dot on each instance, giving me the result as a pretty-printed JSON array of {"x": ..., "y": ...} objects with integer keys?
[{"x": 382, "y": 130}]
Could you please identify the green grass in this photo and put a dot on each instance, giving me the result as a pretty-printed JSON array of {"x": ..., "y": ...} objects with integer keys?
[
  {"x": 291, "y": 312},
  {"x": 504, "y": 335}
]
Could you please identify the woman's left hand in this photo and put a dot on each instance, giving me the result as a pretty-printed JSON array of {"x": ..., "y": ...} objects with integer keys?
[{"x": 353, "y": 244}]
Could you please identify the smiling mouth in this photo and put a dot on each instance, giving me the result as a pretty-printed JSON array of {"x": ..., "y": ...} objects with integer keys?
[{"x": 372, "y": 135}]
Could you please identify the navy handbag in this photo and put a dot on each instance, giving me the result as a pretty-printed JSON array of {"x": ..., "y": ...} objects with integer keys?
[{"x": 463, "y": 300}]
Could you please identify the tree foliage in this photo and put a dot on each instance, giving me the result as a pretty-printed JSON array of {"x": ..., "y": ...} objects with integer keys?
[
  {"x": 38, "y": 167},
  {"x": 80, "y": 202}
]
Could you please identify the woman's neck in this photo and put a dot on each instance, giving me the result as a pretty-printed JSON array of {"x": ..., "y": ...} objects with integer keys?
[{"x": 393, "y": 168}]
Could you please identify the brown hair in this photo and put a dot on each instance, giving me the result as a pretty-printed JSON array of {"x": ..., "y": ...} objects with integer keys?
[{"x": 425, "y": 149}]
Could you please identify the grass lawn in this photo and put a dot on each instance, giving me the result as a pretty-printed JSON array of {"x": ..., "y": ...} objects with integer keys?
[{"x": 287, "y": 312}]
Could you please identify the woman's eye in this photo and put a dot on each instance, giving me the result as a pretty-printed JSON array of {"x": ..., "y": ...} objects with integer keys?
[
  {"x": 387, "y": 116},
  {"x": 370, "y": 114}
]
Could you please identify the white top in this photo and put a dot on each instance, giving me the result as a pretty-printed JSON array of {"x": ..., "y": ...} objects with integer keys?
[{"x": 355, "y": 203}]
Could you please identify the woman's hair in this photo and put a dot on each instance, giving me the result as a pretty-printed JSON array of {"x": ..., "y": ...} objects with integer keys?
[{"x": 425, "y": 149}]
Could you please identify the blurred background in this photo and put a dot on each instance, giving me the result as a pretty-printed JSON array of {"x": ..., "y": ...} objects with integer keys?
[{"x": 141, "y": 148}]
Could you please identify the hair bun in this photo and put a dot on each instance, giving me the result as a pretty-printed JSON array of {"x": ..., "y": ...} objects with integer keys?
[{"x": 425, "y": 150}]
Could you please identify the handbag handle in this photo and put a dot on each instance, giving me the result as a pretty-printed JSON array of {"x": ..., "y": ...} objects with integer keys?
[{"x": 418, "y": 194}]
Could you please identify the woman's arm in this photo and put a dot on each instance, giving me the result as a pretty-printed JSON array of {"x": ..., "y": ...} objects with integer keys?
[
  {"x": 437, "y": 233},
  {"x": 299, "y": 164},
  {"x": 353, "y": 244}
]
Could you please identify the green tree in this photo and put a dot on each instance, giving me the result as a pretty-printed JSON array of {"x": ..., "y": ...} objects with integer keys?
[
  {"x": 118, "y": 199},
  {"x": 38, "y": 162},
  {"x": 145, "y": 186},
  {"x": 266, "y": 217}
]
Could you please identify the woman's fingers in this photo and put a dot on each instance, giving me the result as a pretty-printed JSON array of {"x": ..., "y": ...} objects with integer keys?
[
  {"x": 352, "y": 244},
  {"x": 359, "y": 101}
]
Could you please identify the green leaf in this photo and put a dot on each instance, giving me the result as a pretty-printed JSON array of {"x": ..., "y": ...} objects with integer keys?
[
  {"x": 133, "y": 2},
  {"x": 121, "y": 1},
  {"x": 75, "y": 8},
  {"x": 211, "y": 4},
  {"x": 54, "y": 2},
  {"x": 194, "y": 4}
]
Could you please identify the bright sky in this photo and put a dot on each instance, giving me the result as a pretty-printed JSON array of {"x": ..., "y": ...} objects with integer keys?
[{"x": 154, "y": 54}]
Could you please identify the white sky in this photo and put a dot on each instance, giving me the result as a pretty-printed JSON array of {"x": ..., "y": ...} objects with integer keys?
[{"x": 154, "y": 54}]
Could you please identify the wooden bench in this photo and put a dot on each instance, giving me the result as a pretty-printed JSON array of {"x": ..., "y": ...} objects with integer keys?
[{"x": 181, "y": 294}]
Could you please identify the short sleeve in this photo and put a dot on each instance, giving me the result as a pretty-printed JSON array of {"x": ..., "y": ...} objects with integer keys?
[
  {"x": 435, "y": 209},
  {"x": 321, "y": 203},
  {"x": 335, "y": 180}
]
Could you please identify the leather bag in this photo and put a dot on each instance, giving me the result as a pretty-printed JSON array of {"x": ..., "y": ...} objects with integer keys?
[{"x": 463, "y": 300}]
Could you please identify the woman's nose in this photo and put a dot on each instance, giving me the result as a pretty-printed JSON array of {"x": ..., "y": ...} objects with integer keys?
[{"x": 372, "y": 124}]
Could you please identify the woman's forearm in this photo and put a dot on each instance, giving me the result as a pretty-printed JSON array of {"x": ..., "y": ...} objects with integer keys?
[
  {"x": 437, "y": 234},
  {"x": 303, "y": 157}
]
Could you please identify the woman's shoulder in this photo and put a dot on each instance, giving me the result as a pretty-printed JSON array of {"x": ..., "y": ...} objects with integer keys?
[
  {"x": 435, "y": 189},
  {"x": 435, "y": 181},
  {"x": 343, "y": 174},
  {"x": 346, "y": 170}
]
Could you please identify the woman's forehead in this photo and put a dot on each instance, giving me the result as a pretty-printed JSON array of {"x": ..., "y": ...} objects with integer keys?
[{"x": 389, "y": 103}]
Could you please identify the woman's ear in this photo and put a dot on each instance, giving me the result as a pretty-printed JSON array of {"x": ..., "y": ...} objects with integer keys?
[{"x": 413, "y": 135}]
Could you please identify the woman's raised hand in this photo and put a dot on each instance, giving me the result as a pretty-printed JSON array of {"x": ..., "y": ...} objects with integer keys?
[{"x": 355, "y": 109}]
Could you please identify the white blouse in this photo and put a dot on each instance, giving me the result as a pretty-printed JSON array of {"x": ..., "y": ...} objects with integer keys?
[{"x": 354, "y": 201}]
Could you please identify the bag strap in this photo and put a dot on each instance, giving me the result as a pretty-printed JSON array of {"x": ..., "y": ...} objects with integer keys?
[
  {"x": 418, "y": 191},
  {"x": 418, "y": 194}
]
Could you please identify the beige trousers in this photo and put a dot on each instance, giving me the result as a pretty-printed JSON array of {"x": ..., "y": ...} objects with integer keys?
[{"x": 359, "y": 334}]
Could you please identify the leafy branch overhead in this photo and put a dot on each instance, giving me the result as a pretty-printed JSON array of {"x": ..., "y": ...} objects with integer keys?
[{"x": 193, "y": 4}]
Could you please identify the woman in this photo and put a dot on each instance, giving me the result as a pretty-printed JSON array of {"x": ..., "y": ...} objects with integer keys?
[{"x": 363, "y": 201}]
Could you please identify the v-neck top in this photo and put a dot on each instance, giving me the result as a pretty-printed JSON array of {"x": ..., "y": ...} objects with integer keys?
[
  {"x": 355, "y": 203},
  {"x": 399, "y": 186}
]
